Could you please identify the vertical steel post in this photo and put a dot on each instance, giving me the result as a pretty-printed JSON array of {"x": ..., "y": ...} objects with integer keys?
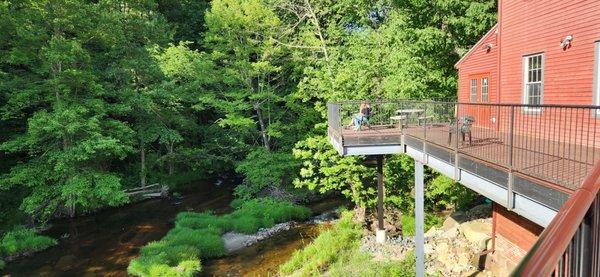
[
  {"x": 420, "y": 218},
  {"x": 509, "y": 189},
  {"x": 380, "y": 234},
  {"x": 456, "y": 164}
]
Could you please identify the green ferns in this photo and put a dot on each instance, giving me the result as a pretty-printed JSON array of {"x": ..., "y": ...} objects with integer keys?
[
  {"x": 21, "y": 240},
  {"x": 198, "y": 236}
]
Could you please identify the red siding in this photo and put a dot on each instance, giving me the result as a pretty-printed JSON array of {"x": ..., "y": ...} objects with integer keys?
[
  {"x": 479, "y": 61},
  {"x": 538, "y": 26}
]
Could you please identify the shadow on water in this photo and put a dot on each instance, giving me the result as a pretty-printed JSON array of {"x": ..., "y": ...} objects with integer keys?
[{"x": 103, "y": 244}]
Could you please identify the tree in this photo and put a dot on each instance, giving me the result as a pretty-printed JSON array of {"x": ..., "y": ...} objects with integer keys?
[
  {"x": 60, "y": 57},
  {"x": 324, "y": 170}
]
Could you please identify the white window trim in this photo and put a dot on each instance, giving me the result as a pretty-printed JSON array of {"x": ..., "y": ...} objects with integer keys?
[
  {"x": 471, "y": 90},
  {"x": 487, "y": 90},
  {"x": 596, "y": 87},
  {"x": 524, "y": 95}
]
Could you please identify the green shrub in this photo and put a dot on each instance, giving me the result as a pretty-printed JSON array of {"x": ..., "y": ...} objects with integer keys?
[
  {"x": 21, "y": 240},
  {"x": 2, "y": 264}
]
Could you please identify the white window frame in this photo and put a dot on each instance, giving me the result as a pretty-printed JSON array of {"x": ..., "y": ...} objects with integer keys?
[
  {"x": 485, "y": 96},
  {"x": 596, "y": 87},
  {"x": 473, "y": 90},
  {"x": 526, "y": 82}
]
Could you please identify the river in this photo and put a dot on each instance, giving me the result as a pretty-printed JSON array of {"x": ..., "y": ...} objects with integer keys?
[{"x": 102, "y": 244}]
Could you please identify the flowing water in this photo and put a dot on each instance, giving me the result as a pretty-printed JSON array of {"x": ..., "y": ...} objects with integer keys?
[{"x": 103, "y": 244}]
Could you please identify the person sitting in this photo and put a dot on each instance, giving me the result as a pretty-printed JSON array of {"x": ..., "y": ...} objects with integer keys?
[{"x": 362, "y": 117}]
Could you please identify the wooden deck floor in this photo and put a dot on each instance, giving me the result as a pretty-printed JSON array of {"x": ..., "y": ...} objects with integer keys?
[{"x": 565, "y": 165}]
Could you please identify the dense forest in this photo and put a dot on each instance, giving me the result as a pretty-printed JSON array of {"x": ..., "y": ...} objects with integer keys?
[{"x": 100, "y": 96}]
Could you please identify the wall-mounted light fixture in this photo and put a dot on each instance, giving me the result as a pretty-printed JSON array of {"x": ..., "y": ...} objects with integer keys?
[
  {"x": 488, "y": 47},
  {"x": 566, "y": 42}
]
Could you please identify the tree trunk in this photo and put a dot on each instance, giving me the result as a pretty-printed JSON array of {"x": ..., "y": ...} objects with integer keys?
[
  {"x": 263, "y": 127},
  {"x": 143, "y": 164}
]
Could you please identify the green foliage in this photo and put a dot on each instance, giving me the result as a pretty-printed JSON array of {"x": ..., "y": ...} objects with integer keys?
[
  {"x": 409, "y": 224},
  {"x": 198, "y": 235},
  {"x": 445, "y": 192},
  {"x": 324, "y": 170},
  {"x": 99, "y": 96},
  {"x": 22, "y": 240},
  {"x": 262, "y": 168},
  {"x": 164, "y": 259},
  {"x": 207, "y": 240},
  {"x": 326, "y": 249},
  {"x": 362, "y": 264},
  {"x": 2, "y": 264},
  {"x": 335, "y": 253},
  {"x": 262, "y": 213}
]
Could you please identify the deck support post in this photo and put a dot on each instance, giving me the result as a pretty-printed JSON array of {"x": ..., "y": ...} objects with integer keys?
[
  {"x": 419, "y": 218},
  {"x": 510, "y": 201},
  {"x": 380, "y": 234}
]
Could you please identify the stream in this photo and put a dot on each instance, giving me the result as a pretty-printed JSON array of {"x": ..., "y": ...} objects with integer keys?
[{"x": 102, "y": 244}]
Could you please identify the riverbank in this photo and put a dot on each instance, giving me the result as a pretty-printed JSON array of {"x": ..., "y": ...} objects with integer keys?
[{"x": 104, "y": 243}]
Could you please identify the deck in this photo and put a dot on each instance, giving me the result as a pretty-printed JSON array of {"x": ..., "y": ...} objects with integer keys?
[{"x": 550, "y": 161}]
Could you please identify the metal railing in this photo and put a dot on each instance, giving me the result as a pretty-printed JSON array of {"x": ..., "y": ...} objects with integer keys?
[
  {"x": 558, "y": 144},
  {"x": 570, "y": 245}
]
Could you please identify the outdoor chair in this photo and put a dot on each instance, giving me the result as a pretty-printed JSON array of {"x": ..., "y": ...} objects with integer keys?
[{"x": 464, "y": 129}]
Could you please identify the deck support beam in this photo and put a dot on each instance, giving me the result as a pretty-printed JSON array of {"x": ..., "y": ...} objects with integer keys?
[
  {"x": 419, "y": 218},
  {"x": 380, "y": 234}
]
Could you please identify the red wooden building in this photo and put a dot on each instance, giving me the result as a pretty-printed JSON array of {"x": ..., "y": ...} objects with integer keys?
[{"x": 539, "y": 53}]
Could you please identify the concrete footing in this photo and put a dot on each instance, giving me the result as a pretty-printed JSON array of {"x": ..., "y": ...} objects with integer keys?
[{"x": 380, "y": 236}]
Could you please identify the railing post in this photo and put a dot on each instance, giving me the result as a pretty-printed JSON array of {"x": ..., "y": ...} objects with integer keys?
[
  {"x": 456, "y": 121},
  {"x": 425, "y": 159},
  {"x": 510, "y": 201}
]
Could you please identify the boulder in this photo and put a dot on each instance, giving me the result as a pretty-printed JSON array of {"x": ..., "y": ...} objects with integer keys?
[
  {"x": 477, "y": 232},
  {"x": 454, "y": 220}
]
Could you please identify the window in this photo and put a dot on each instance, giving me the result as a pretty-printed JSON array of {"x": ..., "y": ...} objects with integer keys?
[
  {"x": 473, "y": 90},
  {"x": 484, "y": 89},
  {"x": 533, "y": 80}
]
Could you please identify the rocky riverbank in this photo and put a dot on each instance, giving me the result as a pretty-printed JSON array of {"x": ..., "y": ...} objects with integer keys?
[
  {"x": 451, "y": 250},
  {"x": 235, "y": 241}
]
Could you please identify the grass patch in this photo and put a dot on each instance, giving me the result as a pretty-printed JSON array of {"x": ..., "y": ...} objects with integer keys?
[
  {"x": 409, "y": 224},
  {"x": 335, "y": 253},
  {"x": 326, "y": 249},
  {"x": 198, "y": 235},
  {"x": 22, "y": 240},
  {"x": 162, "y": 258},
  {"x": 361, "y": 264}
]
